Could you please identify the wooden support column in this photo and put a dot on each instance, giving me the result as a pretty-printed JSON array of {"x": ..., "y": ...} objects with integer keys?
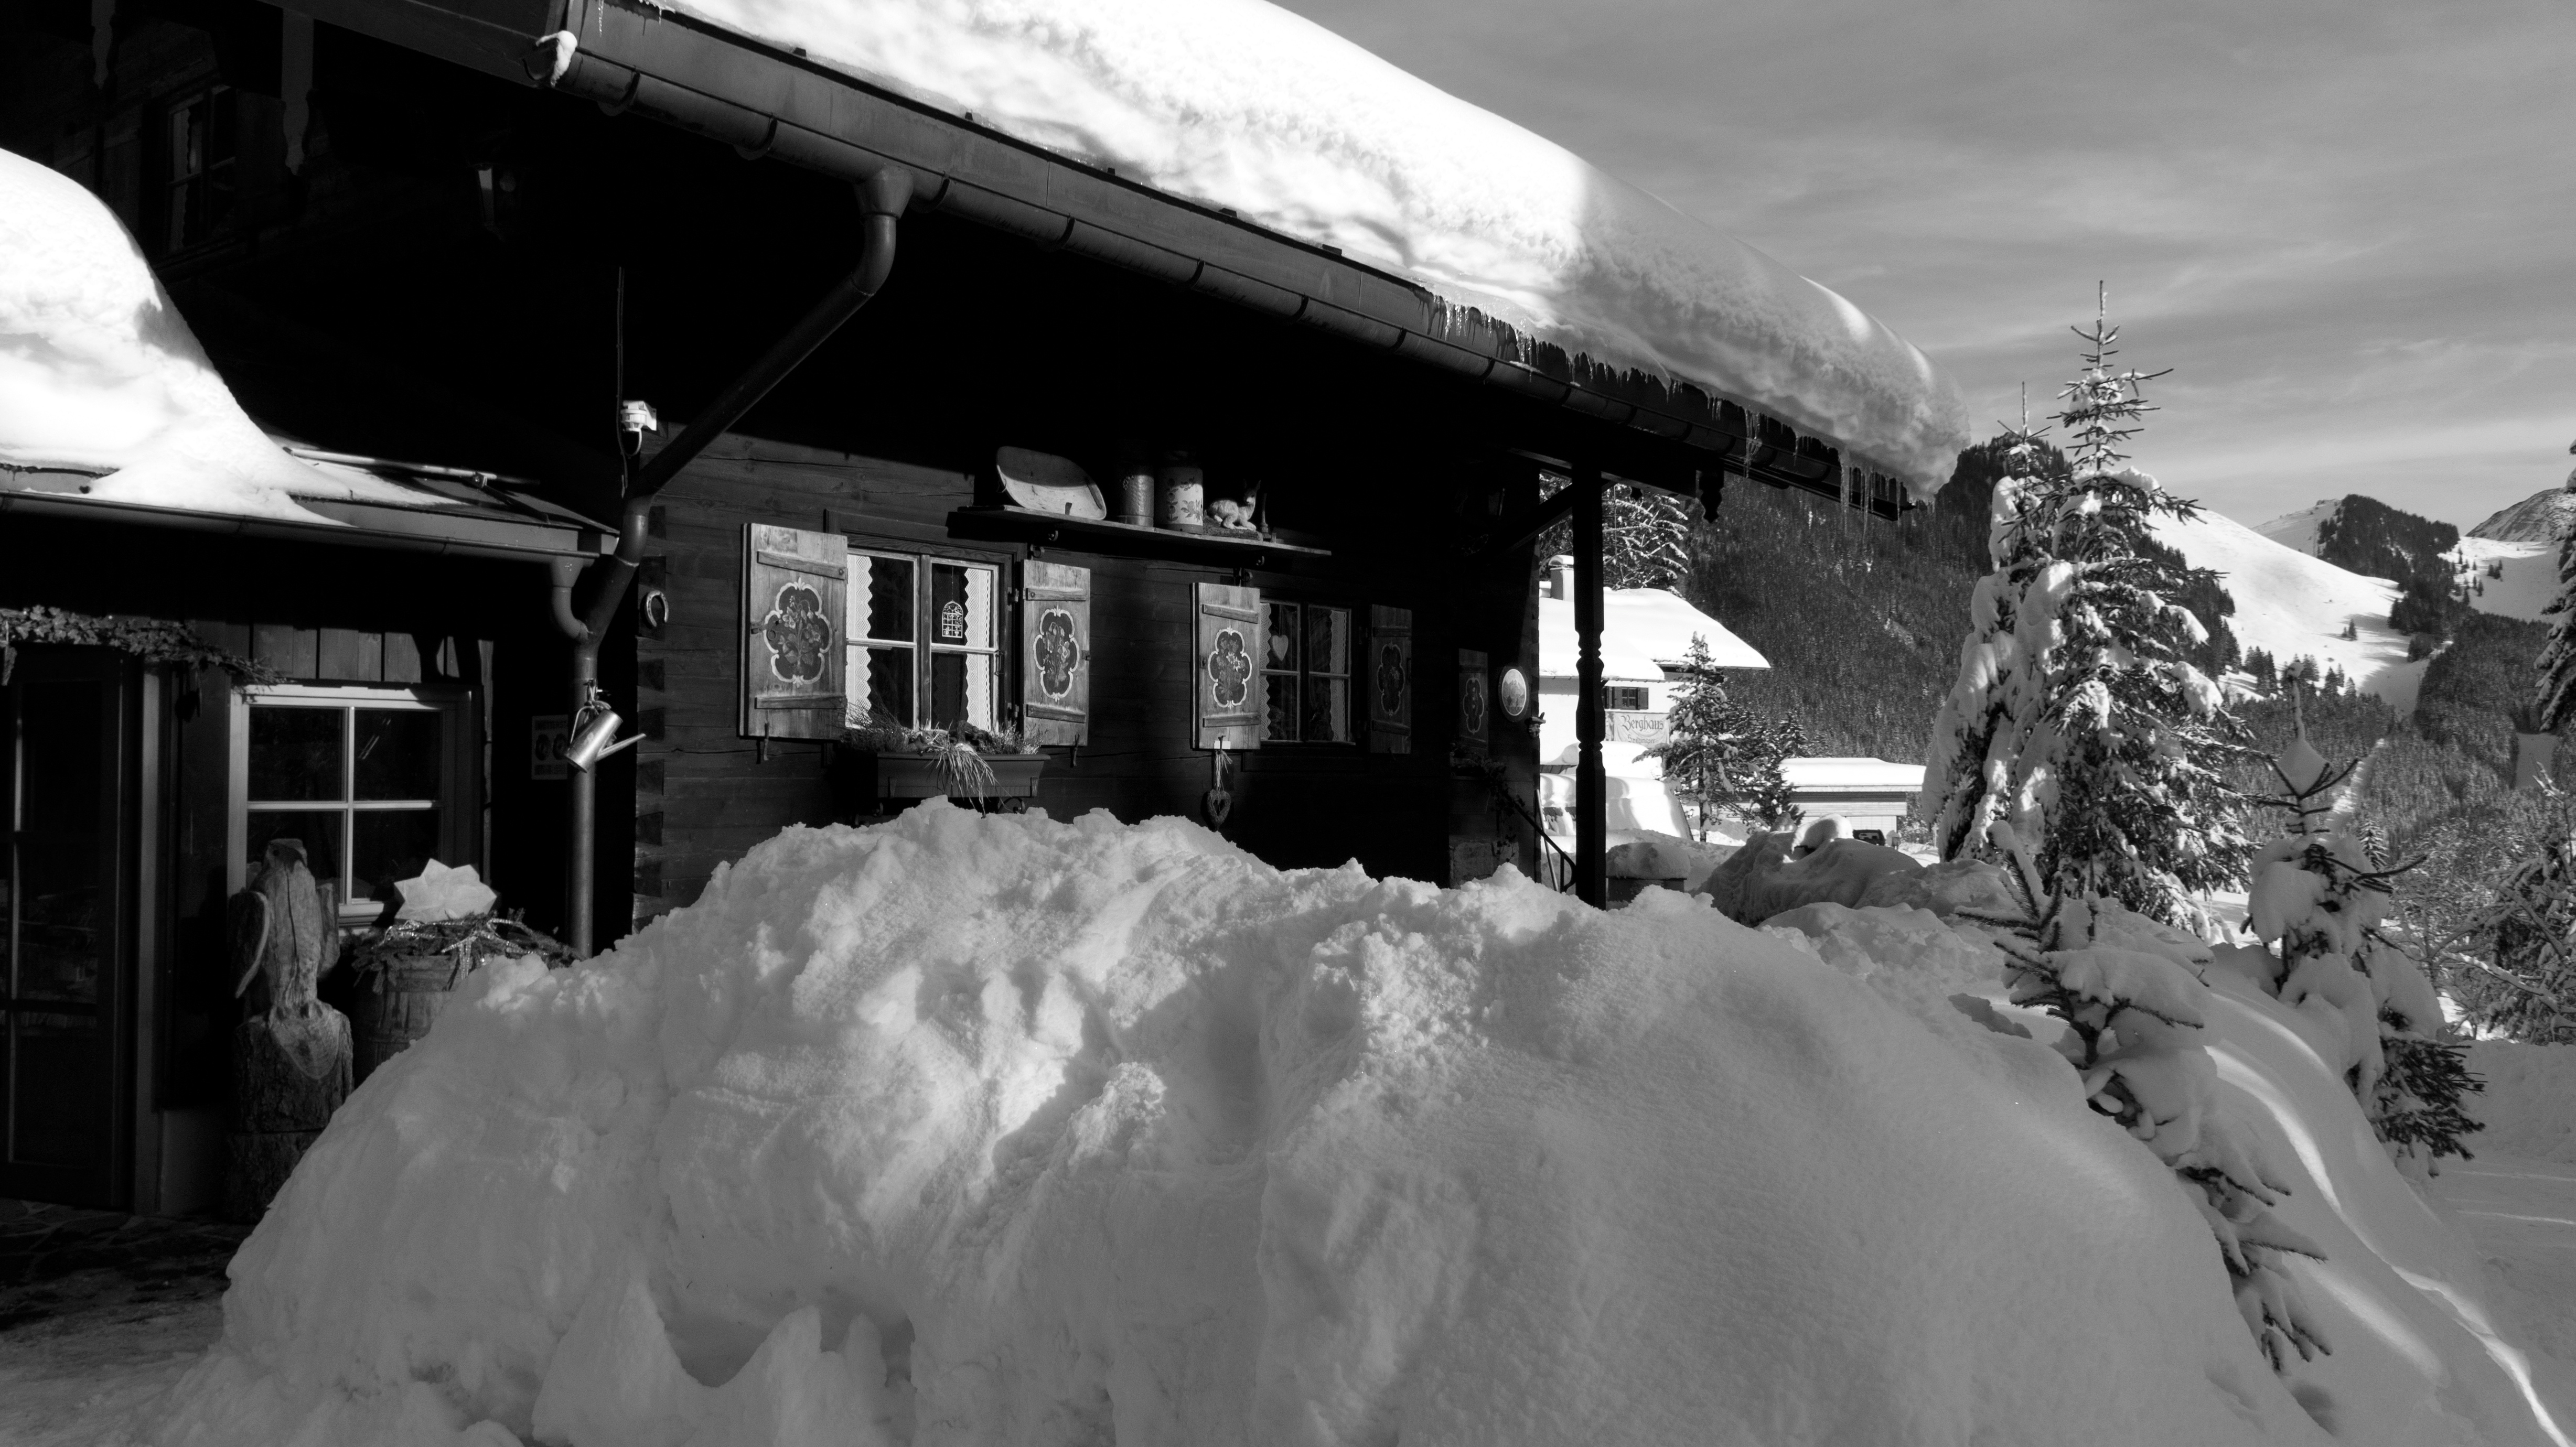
[{"x": 1591, "y": 787}]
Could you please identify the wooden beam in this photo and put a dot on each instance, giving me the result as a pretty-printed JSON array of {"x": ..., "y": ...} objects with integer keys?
[{"x": 1591, "y": 784}]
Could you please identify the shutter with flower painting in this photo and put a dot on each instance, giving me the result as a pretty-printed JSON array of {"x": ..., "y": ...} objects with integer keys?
[
  {"x": 794, "y": 589},
  {"x": 1389, "y": 680},
  {"x": 1226, "y": 672},
  {"x": 1475, "y": 722},
  {"x": 1055, "y": 653}
]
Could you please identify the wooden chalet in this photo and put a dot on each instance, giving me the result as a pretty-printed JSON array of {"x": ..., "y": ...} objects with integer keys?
[{"x": 414, "y": 230}]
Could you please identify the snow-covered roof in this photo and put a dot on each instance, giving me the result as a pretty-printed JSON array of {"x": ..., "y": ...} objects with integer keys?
[
  {"x": 1240, "y": 105},
  {"x": 1862, "y": 776},
  {"x": 104, "y": 392},
  {"x": 1641, "y": 630}
]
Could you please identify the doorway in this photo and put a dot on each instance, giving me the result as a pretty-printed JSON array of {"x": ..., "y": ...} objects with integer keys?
[{"x": 66, "y": 752}]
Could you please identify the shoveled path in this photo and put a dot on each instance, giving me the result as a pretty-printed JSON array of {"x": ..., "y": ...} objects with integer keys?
[{"x": 99, "y": 1313}]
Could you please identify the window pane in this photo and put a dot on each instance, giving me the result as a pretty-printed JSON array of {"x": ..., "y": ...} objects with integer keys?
[
  {"x": 317, "y": 830},
  {"x": 881, "y": 598},
  {"x": 392, "y": 844},
  {"x": 961, "y": 605},
  {"x": 295, "y": 753},
  {"x": 1328, "y": 710},
  {"x": 1279, "y": 725},
  {"x": 881, "y": 686},
  {"x": 64, "y": 937},
  {"x": 961, "y": 690},
  {"x": 57, "y": 1059},
  {"x": 400, "y": 753},
  {"x": 1328, "y": 640}
]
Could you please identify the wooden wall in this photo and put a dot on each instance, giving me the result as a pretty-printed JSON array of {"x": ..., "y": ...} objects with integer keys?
[{"x": 705, "y": 794}]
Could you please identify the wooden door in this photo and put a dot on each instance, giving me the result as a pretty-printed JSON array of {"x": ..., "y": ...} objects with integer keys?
[{"x": 65, "y": 913}]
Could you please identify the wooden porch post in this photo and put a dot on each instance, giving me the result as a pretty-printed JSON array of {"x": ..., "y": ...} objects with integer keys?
[{"x": 1591, "y": 788}]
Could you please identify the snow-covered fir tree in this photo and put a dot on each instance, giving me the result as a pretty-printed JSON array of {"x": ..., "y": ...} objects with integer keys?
[
  {"x": 2130, "y": 992},
  {"x": 1720, "y": 753},
  {"x": 1645, "y": 534},
  {"x": 2076, "y": 716},
  {"x": 2531, "y": 944},
  {"x": 2319, "y": 893},
  {"x": 2556, "y": 695}
]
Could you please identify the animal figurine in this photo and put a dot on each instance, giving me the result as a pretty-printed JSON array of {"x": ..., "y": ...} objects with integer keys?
[
  {"x": 1235, "y": 515},
  {"x": 283, "y": 937}
]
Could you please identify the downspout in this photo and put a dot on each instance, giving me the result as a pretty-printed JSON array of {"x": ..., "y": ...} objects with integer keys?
[{"x": 883, "y": 197}]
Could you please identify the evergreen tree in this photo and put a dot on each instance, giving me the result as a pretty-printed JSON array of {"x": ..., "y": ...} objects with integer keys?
[
  {"x": 1720, "y": 753},
  {"x": 2556, "y": 696},
  {"x": 2531, "y": 941},
  {"x": 2319, "y": 892},
  {"x": 2130, "y": 995},
  {"x": 2077, "y": 716},
  {"x": 1646, "y": 534}
]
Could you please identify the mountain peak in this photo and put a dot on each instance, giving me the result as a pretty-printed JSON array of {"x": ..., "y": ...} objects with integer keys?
[{"x": 2539, "y": 518}]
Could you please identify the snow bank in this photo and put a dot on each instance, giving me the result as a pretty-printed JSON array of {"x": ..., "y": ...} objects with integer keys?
[
  {"x": 2529, "y": 1105},
  {"x": 1239, "y": 104},
  {"x": 99, "y": 373},
  {"x": 970, "y": 1130}
]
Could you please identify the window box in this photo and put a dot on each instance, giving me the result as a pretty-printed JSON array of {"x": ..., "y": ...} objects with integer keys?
[{"x": 918, "y": 776}]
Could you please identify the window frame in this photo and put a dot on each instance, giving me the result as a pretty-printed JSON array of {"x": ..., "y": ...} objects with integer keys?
[
  {"x": 1642, "y": 694},
  {"x": 1353, "y": 734},
  {"x": 459, "y": 833},
  {"x": 191, "y": 214},
  {"x": 922, "y": 556}
]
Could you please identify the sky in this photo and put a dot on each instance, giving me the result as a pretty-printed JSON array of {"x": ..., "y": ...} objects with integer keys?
[{"x": 2349, "y": 228}]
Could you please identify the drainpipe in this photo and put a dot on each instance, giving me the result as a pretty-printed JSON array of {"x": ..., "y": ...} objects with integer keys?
[{"x": 883, "y": 197}]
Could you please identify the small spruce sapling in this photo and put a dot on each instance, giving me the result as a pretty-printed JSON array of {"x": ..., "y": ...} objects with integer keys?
[
  {"x": 2320, "y": 892},
  {"x": 2131, "y": 1000},
  {"x": 1720, "y": 753}
]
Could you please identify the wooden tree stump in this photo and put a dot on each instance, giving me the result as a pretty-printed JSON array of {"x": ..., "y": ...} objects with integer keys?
[{"x": 290, "y": 1071}]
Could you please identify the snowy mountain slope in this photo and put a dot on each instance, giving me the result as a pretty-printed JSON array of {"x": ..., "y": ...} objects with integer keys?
[
  {"x": 2539, "y": 518},
  {"x": 2530, "y": 575},
  {"x": 2298, "y": 530},
  {"x": 2291, "y": 605}
]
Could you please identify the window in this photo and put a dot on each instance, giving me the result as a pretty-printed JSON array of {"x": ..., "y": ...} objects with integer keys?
[
  {"x": 373, "y": 782},
  {"x": 1623, "y": 696},
  {"x": 925, "y": 640},
  {"x": 202, "y": 166},
  {"x": 1306, "y": 670}
]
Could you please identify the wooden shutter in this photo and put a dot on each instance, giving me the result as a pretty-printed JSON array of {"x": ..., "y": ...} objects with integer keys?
[
  {"x": 1226, "y": 668},
  {"x": 795, "y": 590},
  {"x": 1055, "y": 653},
  {"x": 1387, "y": 679},
  {"x": 1475, "y": 701}
]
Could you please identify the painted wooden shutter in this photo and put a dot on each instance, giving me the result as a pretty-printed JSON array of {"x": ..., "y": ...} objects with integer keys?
[
  {"x": 1475, "y": 726},
  {"x": 1055, "y": 653},
  {"x": 795, "y": 587},
  {"x": 1226, "y": 672},
  {"x": 1388, "y": 680}
]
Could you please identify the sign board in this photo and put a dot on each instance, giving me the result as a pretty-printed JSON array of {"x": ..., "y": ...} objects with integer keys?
[{"x": 547, "y": 735}]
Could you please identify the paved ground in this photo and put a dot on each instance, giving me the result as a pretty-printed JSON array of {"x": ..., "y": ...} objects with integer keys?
[{"x": 99, "y": 1313}]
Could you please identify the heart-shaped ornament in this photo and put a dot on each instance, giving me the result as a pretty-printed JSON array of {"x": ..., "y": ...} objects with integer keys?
[{"x": 1215, "y": 805}]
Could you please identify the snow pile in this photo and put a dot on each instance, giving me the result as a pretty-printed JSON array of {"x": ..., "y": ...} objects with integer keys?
[
  {"x": 99, "y": 373},
  {"x": 994, "y": 1130},
  {"x": 2529, "y": 1105},
  {"x": 2292, "y": 605},
  {"x": 1239, "y": 104}
]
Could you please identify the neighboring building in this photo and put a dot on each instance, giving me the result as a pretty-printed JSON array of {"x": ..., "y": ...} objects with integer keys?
[
  {"x": 1645, "y": 634},
  {"x": 1870, "y": 796},
  {"x": 460, "y": 231}
]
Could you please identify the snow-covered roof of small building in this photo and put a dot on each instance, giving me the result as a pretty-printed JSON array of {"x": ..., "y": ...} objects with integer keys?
[
  {"x": 1239, "y": 105},
  {"x": 1641, "y": 630},
  {"x": 110, "y": 408},
  {"x": 1859, "y": 776}
]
